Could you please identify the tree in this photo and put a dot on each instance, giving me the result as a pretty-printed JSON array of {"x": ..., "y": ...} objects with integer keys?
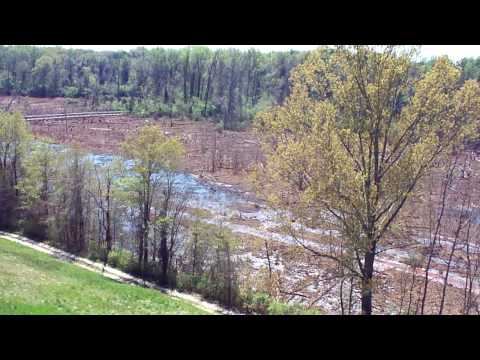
[
  {"x": 42, "y": 73},
  {"x": 210, "y": 261},
  {"x": 68, "y": 203},
  {"x": 14, "y": 140},
  {"x": 351, "y": 142},
  {"x": 225, "y": 84},
  {"x": 102, "y": 192},
  {"x": 169, "y": 211},
  {"x": 39, "y": 173},
  {"x": 152, "y": 154}
]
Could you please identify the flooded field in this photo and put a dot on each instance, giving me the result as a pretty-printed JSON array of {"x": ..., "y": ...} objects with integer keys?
[{"x": 249, "y": 217}]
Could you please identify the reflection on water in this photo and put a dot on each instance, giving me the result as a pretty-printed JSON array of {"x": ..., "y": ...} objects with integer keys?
[
  {"x": 204, "y": 195},
  {"x": 473, "y": 214}
]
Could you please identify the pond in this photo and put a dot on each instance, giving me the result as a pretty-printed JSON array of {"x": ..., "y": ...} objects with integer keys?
[{"x": 205, "y": 195}]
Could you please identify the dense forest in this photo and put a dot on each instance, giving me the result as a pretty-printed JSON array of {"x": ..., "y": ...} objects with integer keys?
[{"x": 227, "y": 85}]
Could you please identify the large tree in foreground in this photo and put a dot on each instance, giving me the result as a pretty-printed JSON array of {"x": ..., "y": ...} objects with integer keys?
[{"x": 349, "y": 145}]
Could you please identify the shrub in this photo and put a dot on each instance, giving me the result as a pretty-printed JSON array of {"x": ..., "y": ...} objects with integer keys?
[
  {"x": 120, "y": 259},
  {"x": 219, "y": 126},
  {"x": 95, "y": 252},
  {"x": 278, "y": 308},
  {"x": 197, "y": 107},
  {"x": 264, "y": 304},
  {"x": 256, "y": 303},
  {"x": 33, "y": 227}
]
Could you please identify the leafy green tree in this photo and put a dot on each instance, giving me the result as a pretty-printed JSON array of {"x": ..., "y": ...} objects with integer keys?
[
  {"x": 344, "y": 154},
  {"x": 68, "y": 213},
  {"x": 36, "y": 186},
  {"x": 224, "y": 85},
  {"x": 14, "y": 141},
  {"x": 209, "y": 263},
  {"x": 102, "y": 189},
  {"x": 153, "y": 156}
]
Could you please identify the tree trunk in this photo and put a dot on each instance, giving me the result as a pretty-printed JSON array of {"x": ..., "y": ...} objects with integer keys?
[
  {"x": 108, "y": 230},
  {"x": 214, "y": 151},
  {"x": 447, "y": 272},
  {"x": 164, "y": 255},
  {"x": 468, "y": 276},
  {"x": 447, "y": 181},
  {"x": 140, "y": 250},
  {"x": 367, "y": 292},
  {"x": 414, "y": 270},
  {"x": 194, "y": 253},
  {"x": 268, "y": 259},
  {"x": 341, "y": 296},
  {"x": 163, "y": 250},
  {"x": 185, "y": 74},
  {"x": 209, "y": 78},
  {"x": 229, "y": 275},
  {"x": 350, "y": 297}
]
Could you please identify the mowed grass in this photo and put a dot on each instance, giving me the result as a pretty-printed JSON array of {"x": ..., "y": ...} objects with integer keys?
[{"x": 32, "y": 282}]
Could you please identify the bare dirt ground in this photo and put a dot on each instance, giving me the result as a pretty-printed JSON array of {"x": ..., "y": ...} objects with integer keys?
[
  {"x": 28, "y": 105},
  {"x": 227, "y": 157},
  {"x": 220, "y": 156}
]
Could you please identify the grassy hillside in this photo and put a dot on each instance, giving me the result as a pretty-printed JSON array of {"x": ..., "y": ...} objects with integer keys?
[{"x": 35, "y": 283}]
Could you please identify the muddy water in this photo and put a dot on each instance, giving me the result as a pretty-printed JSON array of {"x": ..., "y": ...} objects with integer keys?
[
  {"x": 215, "y": 197},
  {"x": 223, "y": 203}
]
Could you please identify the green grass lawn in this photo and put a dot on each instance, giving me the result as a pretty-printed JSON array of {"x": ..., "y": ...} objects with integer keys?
[{"x": 32, "y": 282}]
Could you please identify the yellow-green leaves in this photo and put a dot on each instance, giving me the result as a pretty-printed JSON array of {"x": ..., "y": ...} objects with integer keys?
[
  {"x": 154, "y": 157},
  {"x": 14, "y": 133},
  {"x": 38, "y": 166},
  {"x": 357, "y": 133},
  {"x": 152, "y": 150}
]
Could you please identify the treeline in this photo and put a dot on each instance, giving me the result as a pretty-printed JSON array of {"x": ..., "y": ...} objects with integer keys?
[{"x": 227, "y": 84}]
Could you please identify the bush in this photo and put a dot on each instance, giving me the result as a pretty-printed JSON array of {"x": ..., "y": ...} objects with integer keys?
[
  {"x": 71, "y": 92},
  {"x": 151, "y": 272},
  {"x": 33, "y": 226},
  {"x": 278, "y": 308},
  {"x": 219, "y": 126},
  {"x": 95, "y": 252},
  {"x": 256, "y": 303},
  {"x": 264, "y": 304},
  {"x": 120, "y": 259},
  {"x": 186, "y": 282},
  {"x": 150, "y": 107},
  {"x": 197, "y": 107}
]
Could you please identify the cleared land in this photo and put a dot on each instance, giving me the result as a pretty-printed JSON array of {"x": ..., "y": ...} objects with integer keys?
[
  {"x": 226, "y": 156},
  {"x": 222, "y": 156},
  {"x": 35, "y": 283}
]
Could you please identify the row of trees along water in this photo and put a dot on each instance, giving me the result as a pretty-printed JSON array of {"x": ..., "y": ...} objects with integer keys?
[
  {"x": 228, "y": 85},
  {"x": 130, "y": 211}
]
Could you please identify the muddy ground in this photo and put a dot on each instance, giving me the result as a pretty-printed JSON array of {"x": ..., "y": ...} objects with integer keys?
[
  {"x": 227, "y": 156},
  {"x": 221, "y": 156}
]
